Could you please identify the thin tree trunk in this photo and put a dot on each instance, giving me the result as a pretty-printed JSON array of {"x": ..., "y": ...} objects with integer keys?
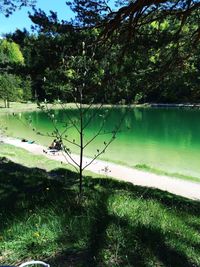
[
  {"x": 80, "y": 176},
  {"x": 81, "y": 149},
  {"x": 81, "y": 163}
]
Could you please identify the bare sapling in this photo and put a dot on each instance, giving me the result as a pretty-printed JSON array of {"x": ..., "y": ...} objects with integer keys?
[{"x": 86, "y": 113}]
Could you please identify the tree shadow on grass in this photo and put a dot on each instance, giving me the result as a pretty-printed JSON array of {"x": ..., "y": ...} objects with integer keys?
[
  {"x": 115, "y": 241},
  {"x": 109, "y": 240},
  {"x": 132, "y": 245},
  {"x": 155, "y": 241},
  {"x": 165, "y": 198},
  {"x": 100, "y": 219},
  {"x": 23, "y": 189}
]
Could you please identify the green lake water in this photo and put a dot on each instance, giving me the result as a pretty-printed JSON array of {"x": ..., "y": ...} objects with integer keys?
[{"x": 165, "y": 139}]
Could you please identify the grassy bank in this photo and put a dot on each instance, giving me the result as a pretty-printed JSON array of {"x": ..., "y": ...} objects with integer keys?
[
  {"x": 17, "y": 107},
  {"x": 27, "y": 159},
  {"x": 28, "y": 107},
  {"x": 144, "y": 167},
  {"x": 30, "y": 160},
  {"x": 147, "y": 168},
  {"x": 114, "y": 224}
]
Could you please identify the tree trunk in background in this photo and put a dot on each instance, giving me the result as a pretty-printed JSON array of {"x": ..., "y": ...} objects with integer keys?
[{"x": 6, "y": 103}]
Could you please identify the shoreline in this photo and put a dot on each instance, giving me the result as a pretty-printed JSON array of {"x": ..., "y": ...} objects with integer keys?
[
  {"x": 188, "y": 189},
  {"x": 17, "y": 107}
]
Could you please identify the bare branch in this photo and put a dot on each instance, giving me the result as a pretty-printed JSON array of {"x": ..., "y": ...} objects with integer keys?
[
  {"x": 71, "y": 121},
  {"x": 71, "y": 142},
  {"x": 75, "y": 164},
  {"x": 95, "y": 136},
  {"x": 100, "y": 153},
  {"x": 109, "y": 142},
  {"x": 68, "y": 154}
]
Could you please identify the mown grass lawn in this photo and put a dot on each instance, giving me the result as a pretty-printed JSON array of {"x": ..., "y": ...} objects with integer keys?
[{"x": 113, "y": 224}]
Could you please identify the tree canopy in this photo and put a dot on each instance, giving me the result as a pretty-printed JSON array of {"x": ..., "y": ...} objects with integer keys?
[
  {"x": 146, "y": 51},
  {"x": 10, "y": 53}
]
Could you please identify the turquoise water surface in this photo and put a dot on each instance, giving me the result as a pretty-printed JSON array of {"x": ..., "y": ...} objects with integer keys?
[{"x": 165, "y": 139}]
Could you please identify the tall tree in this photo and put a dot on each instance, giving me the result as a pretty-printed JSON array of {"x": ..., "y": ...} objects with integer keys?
[
  {"x": 10, "y": 57},
  {"x": 10, "y": 53},
  {"x": 9, "y": 88}
]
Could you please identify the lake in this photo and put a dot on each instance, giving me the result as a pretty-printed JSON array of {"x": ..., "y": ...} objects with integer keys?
[{"x": 161, "y": 138}]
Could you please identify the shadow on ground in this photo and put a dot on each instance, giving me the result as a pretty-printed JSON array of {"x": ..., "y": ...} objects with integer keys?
[{"x": 93, "y": 230}]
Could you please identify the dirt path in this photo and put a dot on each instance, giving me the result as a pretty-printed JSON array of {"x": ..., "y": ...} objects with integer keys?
[{"x": 171, "y": 184}]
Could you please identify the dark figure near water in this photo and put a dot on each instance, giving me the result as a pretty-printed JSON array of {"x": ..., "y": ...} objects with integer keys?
[
  {"x": 56, "y": 144},
  {"x": 53, "y": 144}
]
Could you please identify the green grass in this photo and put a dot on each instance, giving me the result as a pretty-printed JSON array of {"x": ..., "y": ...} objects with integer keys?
[
  {"x": 114, "y": 224},
  {"x": 17, "y": 107},
  {"x": 144, "y": 167},
  {"x": 28, "y": 159},
  {"x": 28, "y": 107}
]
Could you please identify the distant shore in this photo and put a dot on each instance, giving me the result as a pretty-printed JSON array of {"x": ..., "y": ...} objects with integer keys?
[
  {"x": 16, "y": 107},
  {"x": 171, "y": 105}
]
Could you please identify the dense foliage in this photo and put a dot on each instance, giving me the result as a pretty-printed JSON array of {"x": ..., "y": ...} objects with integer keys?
[
  {"x": 7, "y": 7},
  {"x": 13, "y": 86},
  {"x": 157, "y": 61}
]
